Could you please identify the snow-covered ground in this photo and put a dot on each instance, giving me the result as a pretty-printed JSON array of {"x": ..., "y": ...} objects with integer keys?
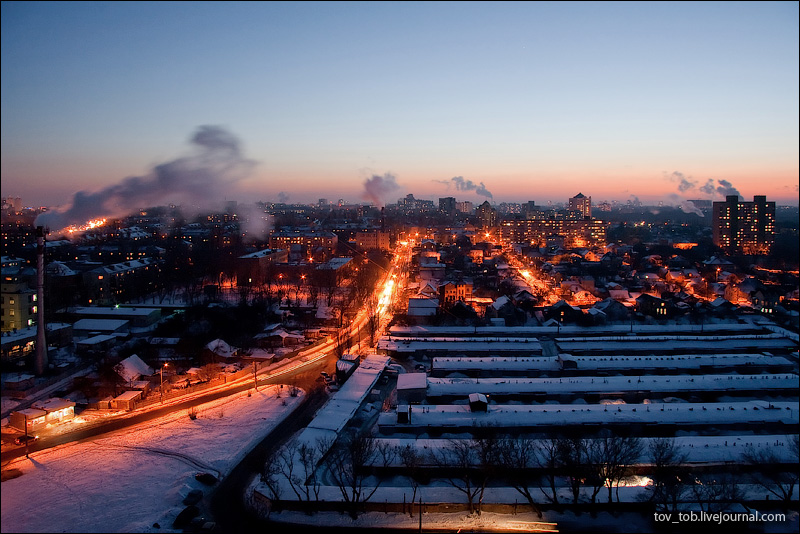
[{"x": 131, "y": 479}]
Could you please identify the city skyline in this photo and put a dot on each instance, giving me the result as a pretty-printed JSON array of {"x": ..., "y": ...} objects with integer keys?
[{"x": 506, "y": 102}]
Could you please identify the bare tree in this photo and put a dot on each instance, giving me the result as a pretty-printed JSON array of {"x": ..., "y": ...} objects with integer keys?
[
  {"x": 298, "y": 465},
  {"x": 609, "y": 458},
  {"x": 459, "y": 461},
  {"x": 716, "y": 493},
  {"x": 573, "y": 455},
  {"x": 413, "y": 464},
  {"x": 669, "y": 473},
  {"x": 373, "y": 317},
  {"x": 271, "y": 473},
  {"x": 548, "y": 460},
  {"x": 348, "y": 464},
  {"x": 773, "y": 473},
  {"x": 516, "y": 458}
]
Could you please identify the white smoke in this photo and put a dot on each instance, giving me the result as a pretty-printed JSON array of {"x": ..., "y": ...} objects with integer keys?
[{"x": 201, "y": 179}]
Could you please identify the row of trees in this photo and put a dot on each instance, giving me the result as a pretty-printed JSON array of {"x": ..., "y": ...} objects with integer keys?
[{"x": 536, "y": 468}]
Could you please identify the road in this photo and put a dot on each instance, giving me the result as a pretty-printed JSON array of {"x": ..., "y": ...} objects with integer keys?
[{"x": 304, "y": 377}]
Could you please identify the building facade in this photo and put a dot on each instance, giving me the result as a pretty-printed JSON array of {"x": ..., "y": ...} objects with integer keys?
[
  {"x": 744, "y": 227},
  {"x": 582, "y": 204}
]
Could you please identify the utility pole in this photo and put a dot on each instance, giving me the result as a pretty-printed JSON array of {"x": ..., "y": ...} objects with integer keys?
[
  {"x": 26, "y": 435},
  {"x": 255, "y": 377},
  {"x": 420, "y": 514}
]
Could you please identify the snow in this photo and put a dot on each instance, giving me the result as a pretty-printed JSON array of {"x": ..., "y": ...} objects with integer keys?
[
  {"x": 128, "y": 480},
  {"x": 707, "y": 327},
  {"x": 614, "y": 384},
  {"x": 666, "y": 344},
  {"x": 132, "y": 368},
  {"x": 448, "y": 364},
  {"x": 509, "y": 416},
  {"x": 461, "y": 344}
]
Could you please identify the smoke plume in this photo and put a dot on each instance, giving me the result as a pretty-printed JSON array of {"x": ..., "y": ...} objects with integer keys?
[
  {"x": 467, "y": 185},
  {"x": 726, "y": 188},
  {"x": 283, "y": 197},
  {"x": 685, "y": 184},
  {"x": 687, "y": 206},
  {"x": 200, "y": 179},
  {"x": 377, "y": 188}
]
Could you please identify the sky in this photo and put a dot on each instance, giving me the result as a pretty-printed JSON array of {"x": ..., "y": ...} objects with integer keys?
[{"x": 660, "y": 102}]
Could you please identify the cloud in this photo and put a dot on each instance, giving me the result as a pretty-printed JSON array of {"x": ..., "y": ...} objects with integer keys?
[
  {"x": 377, "y": 188},
  {"x": 200, "y": 179}
]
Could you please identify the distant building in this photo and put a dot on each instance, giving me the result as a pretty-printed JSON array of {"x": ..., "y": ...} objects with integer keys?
[
  {"x": 582, "y": 204},
  {"x": 256, "y": 268},
  {"x": 372, "y": 240},
  {"x": 486, "y": 214},
  {"x": 744, "y": 227},
  {"x": 465, "y": 206},
  {"x": 18, "y": 304},
  {"x": 447, "y": 206},
  {"x": 539, "y": 232}
]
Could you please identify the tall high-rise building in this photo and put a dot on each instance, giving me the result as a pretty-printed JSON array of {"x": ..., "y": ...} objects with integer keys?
[
  {"x": 486, "y": 214},
  {"x": 447, "y": 206},
  {"x": 744, "y": 227},
  {"x": 582, "y": 204}
]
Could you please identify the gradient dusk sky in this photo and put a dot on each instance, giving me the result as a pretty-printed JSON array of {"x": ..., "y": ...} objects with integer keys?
[{"x": 537, "y": 101}]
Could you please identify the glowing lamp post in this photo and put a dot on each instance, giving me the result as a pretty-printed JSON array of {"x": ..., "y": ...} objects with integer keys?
[{"x": 161, "y": 387}]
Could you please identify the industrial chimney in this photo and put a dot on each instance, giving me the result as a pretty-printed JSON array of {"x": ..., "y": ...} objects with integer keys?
[{"x": 41, "y": 343}]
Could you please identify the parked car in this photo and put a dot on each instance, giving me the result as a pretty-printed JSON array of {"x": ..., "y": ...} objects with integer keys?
[
  {"x": 206, "y": 478},
  {"x": 193, "y": 497},
  {"x": 324, "y": 374},
  {"x": 420, "y": 367},
  {"x": 21, "y": 440}
]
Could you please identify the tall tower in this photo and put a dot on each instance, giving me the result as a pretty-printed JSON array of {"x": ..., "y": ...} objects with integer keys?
[{"x": 41, "y": 342}]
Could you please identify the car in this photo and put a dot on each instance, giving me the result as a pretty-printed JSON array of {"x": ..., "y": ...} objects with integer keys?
[
  {"x": 21, "y": 440},
  {"x": 420, "y": 367},
  {"x": 323, "y": 374}
]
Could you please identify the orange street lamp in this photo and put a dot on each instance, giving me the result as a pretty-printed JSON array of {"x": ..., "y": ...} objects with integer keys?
[{"x": 161, "y": 387}]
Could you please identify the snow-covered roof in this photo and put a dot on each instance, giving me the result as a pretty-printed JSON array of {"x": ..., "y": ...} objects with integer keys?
[
  {"x": 412, "y": 381},
  {"x": 132, "y": 368},
  {"x": 220, "y": 348},
  {"x": 662, "y": 344},
  {"x": 500, "y": 302},
  {"x": 100, "y": 325},
  {"x": 611, "y": 384},
  {"x": 129, "y": 395},
  {"x": 709, "y": 413},
  {"x": 461, "y": 344},
  {"x": 53, "y": 404}
]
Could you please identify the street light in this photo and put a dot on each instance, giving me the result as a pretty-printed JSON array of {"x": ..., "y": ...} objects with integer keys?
[{"x": 161, "y": 387}]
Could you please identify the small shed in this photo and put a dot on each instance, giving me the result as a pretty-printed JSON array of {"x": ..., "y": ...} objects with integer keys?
[
  {"x": 344, "y": 369},
  {"x": 34, "y": 418},
  {"x": 126, "y": 401},
  {"x": 412, "y": 388},
  {"x": 19, "y": 381},
  {"x": 478, "y": 402},
  {"x": 404, "y": 414}
]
